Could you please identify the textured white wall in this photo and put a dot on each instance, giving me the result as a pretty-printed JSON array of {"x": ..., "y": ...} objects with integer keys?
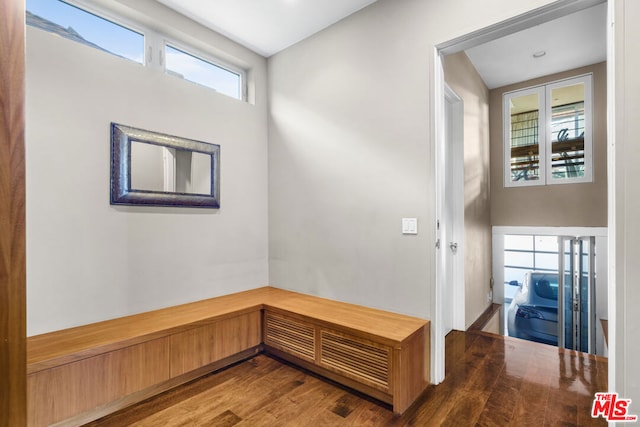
[
  {"x": 349, "y": 157},
  {"x": 88, "y": 260},
  {"x": 351, "y": 152}
]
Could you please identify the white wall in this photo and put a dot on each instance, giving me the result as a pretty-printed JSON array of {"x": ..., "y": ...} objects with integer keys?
[
  {"x": 566, "y": 205},
  {"x": 351, "y": 152},
  {"x": 88, "y": 260},
  {"x": 348, "y": 161},
  {"x": 624, "y": 223},
  {"x": 463, "y": 78}
]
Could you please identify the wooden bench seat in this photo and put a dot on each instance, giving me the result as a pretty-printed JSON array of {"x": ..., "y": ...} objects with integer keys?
[{"x": 80, "y": 374}]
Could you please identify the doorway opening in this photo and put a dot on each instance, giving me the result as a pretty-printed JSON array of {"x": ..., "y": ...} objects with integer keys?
[
  {"x": 553, "y": 285},
  {"x": 528, "y": 20}
]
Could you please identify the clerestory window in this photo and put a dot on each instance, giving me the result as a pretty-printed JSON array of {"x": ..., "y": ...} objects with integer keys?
[
  {"x": 87, "y": 28},
  {"x": 97, "y": 29}
]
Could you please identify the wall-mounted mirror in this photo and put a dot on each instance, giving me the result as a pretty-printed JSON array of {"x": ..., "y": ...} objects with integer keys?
[{"x": 150, "y": 168}]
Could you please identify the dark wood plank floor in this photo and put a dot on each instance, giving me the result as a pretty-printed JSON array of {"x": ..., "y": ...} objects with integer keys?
[{"x": 490, "y": 381}]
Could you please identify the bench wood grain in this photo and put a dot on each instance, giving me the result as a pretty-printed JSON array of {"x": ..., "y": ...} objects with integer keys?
[{"x": 113, "y": 362}]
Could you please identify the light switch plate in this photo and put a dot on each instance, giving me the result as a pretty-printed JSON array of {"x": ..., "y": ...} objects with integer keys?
[{"x": 409, "y": 225}]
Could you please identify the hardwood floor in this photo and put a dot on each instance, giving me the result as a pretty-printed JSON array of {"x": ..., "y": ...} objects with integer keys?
[{"x": 490, "y": 381}]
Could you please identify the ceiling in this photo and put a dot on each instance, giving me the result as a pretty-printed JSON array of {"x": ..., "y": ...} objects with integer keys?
[
  {"x": 569, "y": 42},
  {"x": 269, "y": 26},
  {"x": 266, "y": 26}
]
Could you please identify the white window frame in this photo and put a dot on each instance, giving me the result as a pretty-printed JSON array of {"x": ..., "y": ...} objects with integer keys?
[
  {"x": 544, "y": 131},
  {"x": 199, "y": 54},
  {"x": 587, "y": 80},
  {"x": 154, "y": 45},
  {"x": 110, "y": 16}
]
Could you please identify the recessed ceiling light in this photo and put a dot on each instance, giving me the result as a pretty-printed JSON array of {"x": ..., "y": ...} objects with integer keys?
[{"x": 539, "y": 54}]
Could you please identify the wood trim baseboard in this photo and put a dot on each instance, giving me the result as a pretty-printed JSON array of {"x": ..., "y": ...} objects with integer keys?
[{"x": 484, "y": 318}]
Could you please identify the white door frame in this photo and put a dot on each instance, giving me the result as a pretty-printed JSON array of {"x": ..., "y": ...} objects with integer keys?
[
  {"x": 529, "y": 19},
  {"x": 456, "y": 139},
  {"x": 444, "y": 254}
]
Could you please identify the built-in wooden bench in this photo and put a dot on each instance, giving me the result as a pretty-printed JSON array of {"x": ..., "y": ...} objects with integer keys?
[{"x": 80, "y": 374}]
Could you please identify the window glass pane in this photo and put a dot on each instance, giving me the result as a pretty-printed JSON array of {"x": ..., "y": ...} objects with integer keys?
[
  {"x": 546, "y": 261},
  {"x": 547, "y": 243},
  {"x": 529, "y": 253},
  {"x": 514, "y": 241},
  {"x": 514, "y": 274},
  {"x": 83, "y": 27},
  {"x": 525, "y": 138},
  {"x": 567, "y": 131},
  {"x": 197, "y": 70},
  {"x": 547, "y": 133},
  {"x": 518, "y": 259}
]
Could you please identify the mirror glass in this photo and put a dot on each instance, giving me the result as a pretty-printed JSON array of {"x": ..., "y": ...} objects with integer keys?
[
  {"x": 165, "y": 169},
  {"x": 150, "y": 168}
]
